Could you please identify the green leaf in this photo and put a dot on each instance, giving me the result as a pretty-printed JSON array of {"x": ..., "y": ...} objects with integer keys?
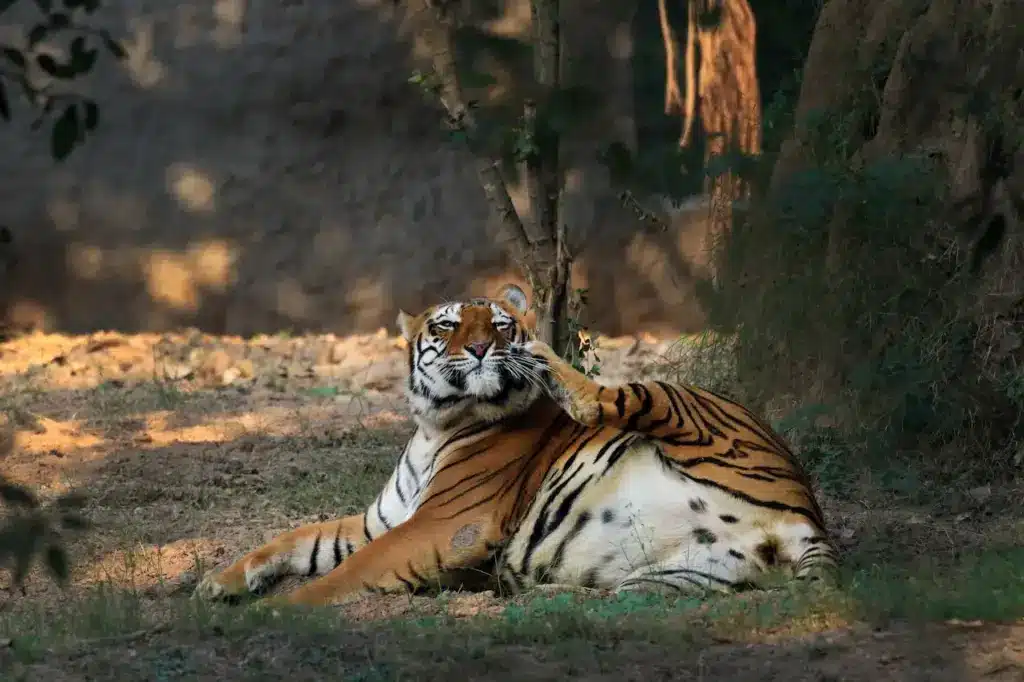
[
  {"x": 6, "y": 5},
  {"x": 65, "y": 134},
  {"x": 37, "y": 34},
  {"x": 15, "y": 57},
  {"x": 82, "y": 58},
  {"x": 57, "y": 562},
  {"x": 59, "y": 20},
  {"x": 113, "y": 46},
  {"x": 5, "y": 107}
]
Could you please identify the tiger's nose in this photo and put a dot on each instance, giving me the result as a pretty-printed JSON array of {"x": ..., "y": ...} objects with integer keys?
[{"x": 478, "y": 349}]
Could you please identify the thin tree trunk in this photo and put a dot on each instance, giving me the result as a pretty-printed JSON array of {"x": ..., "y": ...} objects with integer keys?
[
  {"x": 674, "y": 102},
  {"x": 544, "y": 179}
]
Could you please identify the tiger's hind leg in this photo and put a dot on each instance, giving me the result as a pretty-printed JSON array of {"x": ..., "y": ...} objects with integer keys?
[
  {"x": 817, "y": 561},
  {"x": 792, "y": 553},
  {"x": 310, "y": 550},
  {"x": 693, "y": 570}
]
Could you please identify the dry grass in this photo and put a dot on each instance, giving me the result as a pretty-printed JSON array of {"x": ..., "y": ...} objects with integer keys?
[{"x": 193, "y": 449}]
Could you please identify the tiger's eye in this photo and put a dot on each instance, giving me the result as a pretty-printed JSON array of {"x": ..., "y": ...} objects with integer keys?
[{"x": 436, "y": 328}]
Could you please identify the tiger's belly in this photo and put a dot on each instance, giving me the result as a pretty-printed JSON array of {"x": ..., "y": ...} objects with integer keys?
[{"x": 642, "y": 519}]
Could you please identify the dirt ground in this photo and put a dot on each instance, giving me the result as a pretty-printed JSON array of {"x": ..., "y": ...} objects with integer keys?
[
  {"x": 161, "y": 430},
  {"x": 193, "y": 449}
]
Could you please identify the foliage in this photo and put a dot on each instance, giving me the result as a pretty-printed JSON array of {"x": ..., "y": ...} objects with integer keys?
[
  {"x": 31, "y": 530},
  {"x": 849, "y": 293},
  {"x": 576, "y": 352},
  {"x": 34, "y": 70}
]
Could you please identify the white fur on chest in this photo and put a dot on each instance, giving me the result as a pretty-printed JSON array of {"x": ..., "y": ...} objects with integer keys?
[{"x": 402, "y": 493}]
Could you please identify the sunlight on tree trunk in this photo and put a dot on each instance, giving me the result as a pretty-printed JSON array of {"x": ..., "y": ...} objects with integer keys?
[
  {"x": 726, "y": 82},
  {"x": 541, "y": 252},
  {"x": 674, "y": 102}
]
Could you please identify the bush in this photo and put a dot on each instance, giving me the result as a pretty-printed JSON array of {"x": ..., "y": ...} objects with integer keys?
[
  {"x": 31, "y": 73},
  {"x": 848, "y": 297}
]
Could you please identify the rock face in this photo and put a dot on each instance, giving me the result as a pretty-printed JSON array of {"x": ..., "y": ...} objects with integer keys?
[
  {"x": 265, "y": 165},
  {"x": 947, "y": 79},
  {"x": 898, "y": 203}
]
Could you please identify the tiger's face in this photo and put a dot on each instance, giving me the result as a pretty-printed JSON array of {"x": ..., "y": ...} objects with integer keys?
[{"x": 466, "y": 359}]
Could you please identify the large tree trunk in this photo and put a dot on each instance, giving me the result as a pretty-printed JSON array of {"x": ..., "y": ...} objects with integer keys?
[
  {"x": 730, "y": 100},
  {"x": 542, "y": 252},
  {"x": 725, "y": 80}
]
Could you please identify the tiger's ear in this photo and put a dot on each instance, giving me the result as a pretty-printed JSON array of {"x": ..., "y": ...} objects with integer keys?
[
  {"x": 515, "y": 296},
  {"x": 406, "y": 324}
]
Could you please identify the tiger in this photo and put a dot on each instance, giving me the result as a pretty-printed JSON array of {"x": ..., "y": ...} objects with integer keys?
[{"x": 526, "y": 472}]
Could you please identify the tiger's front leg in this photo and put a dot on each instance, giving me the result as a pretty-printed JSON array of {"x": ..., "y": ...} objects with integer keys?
[
  {"x": 650, "y": 407},
  {"x": 309, "y": 550},
  {"x": 411, "y": 556},
  {"x": 577, "y": 394}
]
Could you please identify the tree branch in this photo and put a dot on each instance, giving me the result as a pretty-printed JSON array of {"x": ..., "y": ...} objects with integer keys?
[
  {"x": 689, "y": 112},
  {"x": 436, "y": 31},
  {"x": 544, "y": 258},
  {"x": 673, "y": 98},
  {"x": 535, "y": 190},
  {"x": 674, "y": 102}
]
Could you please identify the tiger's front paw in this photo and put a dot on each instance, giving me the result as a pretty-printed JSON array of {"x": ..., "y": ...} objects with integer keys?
[
  {"x": 211, "y": 588},
  {"x": 223, "y": 585},
  {"x": 546, "y": 363},
  {"x": 540, "y": 350},
  {"x": 570, "y": 388}
]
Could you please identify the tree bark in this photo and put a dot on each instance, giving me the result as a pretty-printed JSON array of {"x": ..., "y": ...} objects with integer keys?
[
  {"x": 730, "y": 98},
  {"x": 544, "y": 175},
  {"x": 674, "y": 102}
]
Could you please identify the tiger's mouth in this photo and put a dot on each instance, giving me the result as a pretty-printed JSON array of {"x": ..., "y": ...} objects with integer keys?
[{"x": 510, "y": 369}]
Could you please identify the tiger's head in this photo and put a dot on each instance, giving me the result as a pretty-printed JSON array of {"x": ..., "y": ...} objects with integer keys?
[{"x": 467, "y": 362}]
